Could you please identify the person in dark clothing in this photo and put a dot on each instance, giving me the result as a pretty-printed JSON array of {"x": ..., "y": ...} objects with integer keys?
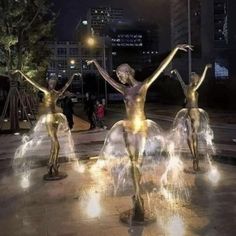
[
  {"x": 90, "y": 111},
  {"x": 67, "y": 107}
]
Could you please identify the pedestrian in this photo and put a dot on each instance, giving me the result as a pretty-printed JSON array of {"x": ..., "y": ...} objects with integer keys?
[
  {"x": 89, "y": 109},
  {"x": 67, "y": 107},
  {"x": 100, "y": 112},
  {"x": 104, "y": 104}
]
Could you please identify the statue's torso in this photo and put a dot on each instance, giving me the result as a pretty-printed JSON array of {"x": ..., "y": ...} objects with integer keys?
[
  {"x": 134, "y": 98},
  {"x": 191, "y": 97},
  {"x": 50, "y": 100}
]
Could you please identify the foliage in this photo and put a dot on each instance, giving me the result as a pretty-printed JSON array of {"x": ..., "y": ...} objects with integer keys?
[{"x": 25, "y": 26}]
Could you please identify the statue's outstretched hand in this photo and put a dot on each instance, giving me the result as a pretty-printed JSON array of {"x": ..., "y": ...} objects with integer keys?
[
  {"x": 173, "y": 72},
  {"x": 14, "y": 71},
  {"x": 185, "y": 47},
  {"x": 89, "y": 62},
  {"x": 209, "y": 65}
]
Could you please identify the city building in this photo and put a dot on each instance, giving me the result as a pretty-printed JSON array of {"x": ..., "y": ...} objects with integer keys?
[
  {"x": 99, "y": 17},
  {"x": 82, "y": 31},
  {"x": 65, "y": 61},
  {"x": 179, "y": 33},
  {"x": 135, "y": 43},
  {"x": 213, "y": 35},
  {"x": 70, "y": 57}
]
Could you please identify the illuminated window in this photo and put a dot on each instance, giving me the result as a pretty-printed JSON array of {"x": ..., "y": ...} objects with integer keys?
[{"x": 221, "y": 72}]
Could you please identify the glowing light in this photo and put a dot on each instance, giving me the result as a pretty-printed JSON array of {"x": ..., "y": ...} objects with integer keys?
[
  {"x": 24, "y": 120},
  {"x": 138, "y": 123},
  {"x": 25, "y": 183},
  {"x": 16, "y": 133},
  {"x": 90, "y": 41},
  {"x": 175, "y": 164},
  {"x": 5, "y": 120},
  {"x": 214, "y": 175},
  {"x": 93, "y": 208},
  {"x": 175, "y": 226},
  {"x": 167, "y": 195},
  {"x": 38, "y": 142},
  {"x": 97, "y": 167},
  {"x": 72, "y": 62},
  {"x": 171, "y": 148},
  {"x": 80, "y": 168}
]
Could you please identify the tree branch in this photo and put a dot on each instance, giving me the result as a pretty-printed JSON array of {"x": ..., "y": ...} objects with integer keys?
[
  {"x": 5, "y": 75},
  {"x": 33, "y": 19}
]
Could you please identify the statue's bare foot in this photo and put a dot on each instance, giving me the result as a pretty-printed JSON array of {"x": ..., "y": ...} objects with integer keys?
[
  {"x": 195, "y": 165},
  {"x": 50, "y": 171},
  {"x": 55, "y": 168}
]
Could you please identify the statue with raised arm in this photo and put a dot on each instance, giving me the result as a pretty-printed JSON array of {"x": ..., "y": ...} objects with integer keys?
[
  {"x": 195, "y": 118},
  {"x": 135, "y": 130},
  {"x": 52, "y": 121}
]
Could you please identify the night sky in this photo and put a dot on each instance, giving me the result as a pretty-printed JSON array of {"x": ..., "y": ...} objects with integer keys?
[{"x": 70, "y": 11}]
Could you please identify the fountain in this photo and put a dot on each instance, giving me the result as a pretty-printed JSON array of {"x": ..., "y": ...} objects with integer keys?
[
  {"x": 53, "y": 121},
  {"x": 125, "y": 147},
  {"x": 192, "y": 122}
]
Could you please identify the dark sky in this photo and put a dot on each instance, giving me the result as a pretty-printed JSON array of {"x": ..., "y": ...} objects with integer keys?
[{"x": 70, "y": 11}]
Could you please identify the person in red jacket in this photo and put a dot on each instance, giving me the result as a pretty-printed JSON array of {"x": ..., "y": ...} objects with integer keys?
[{"x": 100, "y": 112}]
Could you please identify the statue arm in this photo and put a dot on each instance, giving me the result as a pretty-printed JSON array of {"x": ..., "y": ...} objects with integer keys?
[
  {"x": 202, "y": 76},
  {"x": 35, "y": 84},
  {"x": 68, "y": 83},
  {"x": 118, "y": 86},
  {"x": 183, "y": 85},
  {"x": 166, "y": 62}
]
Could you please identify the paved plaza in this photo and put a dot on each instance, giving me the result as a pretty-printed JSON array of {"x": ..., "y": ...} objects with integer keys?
[
  {"x": 81, "y": 204},
  {"x": 78, "y": 205}
]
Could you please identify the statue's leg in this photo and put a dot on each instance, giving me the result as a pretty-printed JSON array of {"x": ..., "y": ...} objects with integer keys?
[
  {"x": 193, "y": 136},
  {"x": 190, "y": 135},
  {"x": 195, "y": 127},
  {"x": 56, "y": 149},
  {"x": 132, "y": 144},
  {"x": 52, "y": 132}
]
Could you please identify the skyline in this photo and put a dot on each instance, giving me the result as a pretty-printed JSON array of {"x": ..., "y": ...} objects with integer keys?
[{"x": 70, "y": 12}]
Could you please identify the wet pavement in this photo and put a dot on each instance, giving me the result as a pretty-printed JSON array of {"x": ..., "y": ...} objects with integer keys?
[{"x": 79, "y": 205}]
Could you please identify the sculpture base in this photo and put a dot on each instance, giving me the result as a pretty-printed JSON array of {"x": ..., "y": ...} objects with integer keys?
[
  {"x": 127, "y": 218},
  {"x": 190, "y": 170},
  {"x": 59, "y": 176}
]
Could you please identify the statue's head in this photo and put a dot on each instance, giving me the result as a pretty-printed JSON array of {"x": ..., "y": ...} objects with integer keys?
[
  {"x": 52, "y": 82},
  {"x": 124, "y": 72},
  {"x": 194, "y": 78}
]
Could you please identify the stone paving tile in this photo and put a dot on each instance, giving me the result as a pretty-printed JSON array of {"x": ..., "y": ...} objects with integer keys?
[{"x": 63, "y": 207}]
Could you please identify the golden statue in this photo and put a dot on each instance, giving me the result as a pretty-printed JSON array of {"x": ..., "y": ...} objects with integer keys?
[
  {"x": 193, "y": 112},
  {"x": 53, "y": 119},
  {"x": 134, "y": 129}
]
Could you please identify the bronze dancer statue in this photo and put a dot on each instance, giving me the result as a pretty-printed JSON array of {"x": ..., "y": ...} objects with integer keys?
[
  {"x": 193, "y": 112},
  {"x": 135, "y": 126},
  {"x": 53, "y": 119}
]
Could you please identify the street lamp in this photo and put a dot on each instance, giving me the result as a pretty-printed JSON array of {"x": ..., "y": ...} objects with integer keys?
[
  {"x": 189, "y": 40},
  {"x": 72, "y": 61},
  {"x": 91, "y": 42}
]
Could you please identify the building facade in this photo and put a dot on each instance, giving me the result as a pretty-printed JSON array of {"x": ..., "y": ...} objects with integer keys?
[
  {"x": 213, "y": 34},
  {"x": 135, "y": 43},
  {"x": 70, "y": 57},
  {"x": 99, "y": 17}
]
